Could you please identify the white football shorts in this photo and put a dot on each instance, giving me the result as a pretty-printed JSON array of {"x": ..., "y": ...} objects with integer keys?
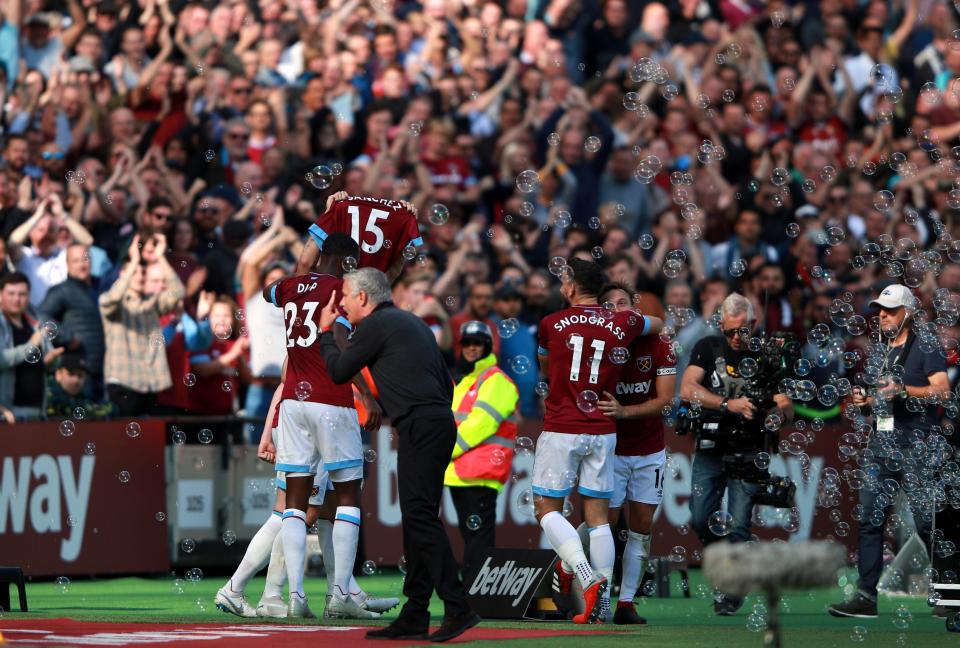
[
  {"x": 314, "y": 435},
  {"x": 638, "y": 478},
  {"x": 321, "y": 480},
  {"x": 564, "y": 459}
]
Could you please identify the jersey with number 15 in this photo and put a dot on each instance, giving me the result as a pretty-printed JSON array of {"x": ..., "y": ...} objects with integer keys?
[
  {"x": 382, "y": 229},
  {"x": 579, "y": 344},
  {"x": 302, "y": 298}
]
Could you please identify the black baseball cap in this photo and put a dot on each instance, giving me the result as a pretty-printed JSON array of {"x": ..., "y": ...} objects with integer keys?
[{"x": 73, "y": 362}]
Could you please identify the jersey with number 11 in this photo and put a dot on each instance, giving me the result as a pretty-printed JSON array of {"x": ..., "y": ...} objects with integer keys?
[
  {"x": 302, "y": 298},
  {"x": 382, "y": 229},
  {"x": 579, "y": 343}
]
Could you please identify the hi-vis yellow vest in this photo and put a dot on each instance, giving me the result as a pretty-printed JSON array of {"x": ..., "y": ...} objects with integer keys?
[{"x": 485, "y": 408}]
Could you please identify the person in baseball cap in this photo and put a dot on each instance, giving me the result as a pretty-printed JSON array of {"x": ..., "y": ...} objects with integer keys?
[
  {"x": 895, "y": 296},
  {"x": 903, "y": 403}
]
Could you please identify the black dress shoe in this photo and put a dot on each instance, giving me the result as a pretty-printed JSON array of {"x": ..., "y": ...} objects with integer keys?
[
  {"x": 399, "y": 630},
  {"x": 455, "y": 626}
]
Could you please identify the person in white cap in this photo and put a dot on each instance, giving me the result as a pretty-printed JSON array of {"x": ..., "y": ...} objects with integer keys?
[{"x": 911, "y": 377}]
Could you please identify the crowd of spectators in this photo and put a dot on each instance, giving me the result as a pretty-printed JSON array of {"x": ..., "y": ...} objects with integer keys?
[{"x": 161, "y": 161}]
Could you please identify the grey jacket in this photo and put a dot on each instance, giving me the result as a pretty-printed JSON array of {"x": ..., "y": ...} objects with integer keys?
[{"x": 12, "y": 355}]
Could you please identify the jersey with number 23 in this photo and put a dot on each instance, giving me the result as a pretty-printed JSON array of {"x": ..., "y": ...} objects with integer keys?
[
  {"x": 578, "y": 343},
  {"x": 302, "y": 298}
]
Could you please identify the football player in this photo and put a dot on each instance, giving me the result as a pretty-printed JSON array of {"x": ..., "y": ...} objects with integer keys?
[
  {"x": 267, "y": 544},
  {"x": 646, "y": 385},
  {"x": 581, "y": 351},
  {"x": 318, "y": 422}
]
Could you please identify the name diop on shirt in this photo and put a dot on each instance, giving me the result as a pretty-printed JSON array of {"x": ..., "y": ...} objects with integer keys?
[{"x": 591, "y": 320}]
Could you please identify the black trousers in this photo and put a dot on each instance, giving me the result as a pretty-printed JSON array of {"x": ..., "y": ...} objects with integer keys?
[
  {"x": 424, "y": 451},
  {"x": 480, "y": 501},
  {"x": 131, "y": 403}
]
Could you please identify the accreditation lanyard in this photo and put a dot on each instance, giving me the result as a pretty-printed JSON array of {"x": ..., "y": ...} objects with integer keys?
[{"x": 885, "y": 421}]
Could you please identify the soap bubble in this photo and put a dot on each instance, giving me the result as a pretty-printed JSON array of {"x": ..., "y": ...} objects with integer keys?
[
  {"x": 303, "y": 390},
  {"x": 189, "y": 380},
  {"x": 67, "y": 428},
  {"x": 721, "y": 523},
  {"x": 321, "y": 177},
  {"x": 508, "y": 328},
  {"x": 619, "y": 355},
  {"x": 439, "y": 214},
  {"x": 528, "y": 181},
  {"x": 228, "y": 537},
  {"x": 133, "y": 429},
  {"x": 473, "y": 522},
  {"x": 369, "y": 455},
  {"x": 205, "y": 436},
  {"x": 123, "y": 476},
  {"x": 369, "y": 568},
  {"x": 587, "y": 401}
]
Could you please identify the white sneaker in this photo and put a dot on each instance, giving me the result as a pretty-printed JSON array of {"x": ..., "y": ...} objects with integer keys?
[
  {"x": 233, "y": 603},
  {"x": 297, "y": 608},
  {"x": 344, "y": 607},
  {"x": 272, "y": 607},
  {"x": 375, "y": 603}
]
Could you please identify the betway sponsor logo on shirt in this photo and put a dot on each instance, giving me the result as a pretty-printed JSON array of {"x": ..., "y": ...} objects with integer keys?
[
  {"x": 505, "y": 580},
  {"x": 642, "y": 387}
]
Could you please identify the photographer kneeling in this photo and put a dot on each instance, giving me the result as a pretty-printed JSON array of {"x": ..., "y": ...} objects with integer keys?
[{"x": 730, "y": 425}]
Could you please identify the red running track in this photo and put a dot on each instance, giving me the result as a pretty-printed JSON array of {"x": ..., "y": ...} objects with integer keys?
[{"x": 68, "y": 632}]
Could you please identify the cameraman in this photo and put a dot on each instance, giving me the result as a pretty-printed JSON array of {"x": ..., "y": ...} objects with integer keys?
[{"x": 713, "y": 380}]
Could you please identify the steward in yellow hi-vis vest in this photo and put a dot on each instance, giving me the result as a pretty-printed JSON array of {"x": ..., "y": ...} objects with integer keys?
[{"x": 485, "y": 408}]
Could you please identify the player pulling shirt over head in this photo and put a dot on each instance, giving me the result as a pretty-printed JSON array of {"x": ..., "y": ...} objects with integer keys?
[{"x": 382, "y": 228}]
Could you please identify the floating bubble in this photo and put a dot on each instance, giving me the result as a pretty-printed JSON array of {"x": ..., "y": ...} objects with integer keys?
[
  {"x": 205, "y": 436},
  {"x": 123, "y": 476},
  {"x": 720, "y": 523},
  {"x": 194, "y": 575},
  {"x": 228, "y": 537},
  {"x": 321, "y": 177},
  {"x": 619, "y": 355},
  {"x": 369, "y": 568},
  {"x": 507, "y": 328},
  {"x": 439, "y": 214},
  {"x": 473, "y": 522},
  {"x": 67, "y": 428},
  {"x": 587, "y": 401},
  {"x": 160, "y": 516},
  {"x": 189, "y": 380},
  {"x": 520, "y": 364},
  {"x": 133, "y": 429},
  {"x": 179, "y": 437},
  {"x": 369, "y": 455},
  {"x": 302, "y": 390},
  {"x": 592, "y": 144},
  {"x": 528, "y": 181}
]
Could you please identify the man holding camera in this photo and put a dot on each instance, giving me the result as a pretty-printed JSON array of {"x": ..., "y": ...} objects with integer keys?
[
  {"x": 713, "y": 383},
  {"x": 911, "y": 382}
]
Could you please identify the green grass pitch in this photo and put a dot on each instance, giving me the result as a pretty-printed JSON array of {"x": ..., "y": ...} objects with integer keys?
[{"x": 674, "y": 621}]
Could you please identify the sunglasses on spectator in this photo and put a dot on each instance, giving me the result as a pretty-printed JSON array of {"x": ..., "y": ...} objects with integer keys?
[
  {"x": 242, "y": 89},
  {"x": 741, "y": 332},
  {"x": 238, "y": 136},
  {"x": 53, "y": 155}
]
